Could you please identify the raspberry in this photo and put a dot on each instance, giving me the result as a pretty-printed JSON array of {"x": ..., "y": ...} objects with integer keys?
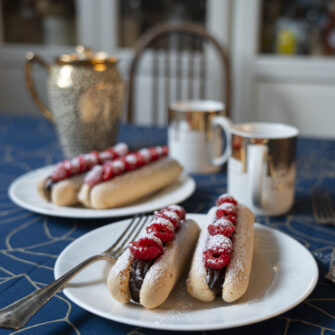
[
  {"x": 145, "y": 153},
  {"x": 108, "y": 171},
  {"x": 226, "y": 198},
  {"x": 163, "y": 231},
  {"x": 97, "y": 156},
  {"x": 218, "y": 251},
  {"x": 94, "y": 176},
  {"x": 82, "y": 163},
  {"x": 221, "y": 226},
  {"x": 146, "y": 248},
  {"x": 130, "y": 162},
  {"x": 216, "y": 261},
  {"x": 140, "y": 159},
  {"x": 227, "y": 211},
  {"x": 165, "y": 150},
  {"x": 169, "y": 215},
  {"x": 154, "y": 153},
  {"x": 177, "y": 209},
  {"x": 112, "y": 153}
]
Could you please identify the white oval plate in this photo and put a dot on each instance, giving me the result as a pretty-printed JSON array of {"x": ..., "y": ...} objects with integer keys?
[
  {"x": 23, "y": 192},
  {"x": 283, "y": 274}
]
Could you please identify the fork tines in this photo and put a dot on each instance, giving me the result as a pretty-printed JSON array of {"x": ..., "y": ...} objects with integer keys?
[
  {"x": 322, "y": 206},
  {"x": 129, "y": 234}
]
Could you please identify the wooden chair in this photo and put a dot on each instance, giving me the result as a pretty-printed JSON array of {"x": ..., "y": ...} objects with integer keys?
[{"x": 183, "y": 40}]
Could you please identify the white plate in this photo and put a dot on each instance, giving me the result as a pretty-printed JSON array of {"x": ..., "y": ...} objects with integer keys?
[
  {"x": 283, "y": 274},
  {"x": 23, "y": 192}
]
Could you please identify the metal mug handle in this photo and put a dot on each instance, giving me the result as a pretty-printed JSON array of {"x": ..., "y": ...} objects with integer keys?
[
  {"x": 225, "y": 124},
  {"x": 31, "y": 58}
]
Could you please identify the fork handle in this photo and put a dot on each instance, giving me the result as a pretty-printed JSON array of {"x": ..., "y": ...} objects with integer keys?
[{"x": 18, "y": 313}]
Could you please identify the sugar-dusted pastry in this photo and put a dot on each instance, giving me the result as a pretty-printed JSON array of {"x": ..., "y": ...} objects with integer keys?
[
  {"x": 222, "y": 259},
  {"x": 124, "y": 180},
  {"x": 148, "y": 270},
  {"x": 62, "y": 186}
]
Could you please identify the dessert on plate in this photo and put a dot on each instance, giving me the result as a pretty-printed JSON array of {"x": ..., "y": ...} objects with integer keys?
[
  {"x": 150, "y": 267},
  {"x": 222, "y": 259}
]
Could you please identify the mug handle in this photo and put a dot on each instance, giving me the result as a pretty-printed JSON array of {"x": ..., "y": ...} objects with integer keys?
[
  {"x": 31, "y": 58},
  {"x": 225, "y": 124},
  {"x": 257, "y": 154}
]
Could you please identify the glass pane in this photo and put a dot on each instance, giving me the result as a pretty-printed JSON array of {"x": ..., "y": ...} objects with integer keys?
[
  {"x": 303, "y": 27},
  {"x": 39, "y": 21},
  {"x": 137, "y": 16}
]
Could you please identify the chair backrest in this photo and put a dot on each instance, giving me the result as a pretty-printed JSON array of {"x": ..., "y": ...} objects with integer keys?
[{"x": 178, "y": 39}]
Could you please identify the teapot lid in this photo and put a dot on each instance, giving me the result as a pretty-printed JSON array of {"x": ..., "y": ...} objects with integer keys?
[{"x": 85, "y": 56}]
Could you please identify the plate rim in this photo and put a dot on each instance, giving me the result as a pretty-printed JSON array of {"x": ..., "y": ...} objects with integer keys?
[
  {"x": 88, "y": 213},
  {"x": 186, "y": 327}
]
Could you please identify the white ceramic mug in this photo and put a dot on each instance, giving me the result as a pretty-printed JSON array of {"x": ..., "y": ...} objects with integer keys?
[
  {"x": 194, "y": 135},
  {"x": 261, "y": 167}
]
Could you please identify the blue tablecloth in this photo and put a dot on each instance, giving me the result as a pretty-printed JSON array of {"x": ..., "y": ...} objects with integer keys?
[{"x": 30, "y": 243}]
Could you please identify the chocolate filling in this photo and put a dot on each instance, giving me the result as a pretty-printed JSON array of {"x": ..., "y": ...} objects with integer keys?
[
  {"x": 215, "y": 279},
  {"x": 138, "y": 270},
  {"x": 49, "y": 184}
]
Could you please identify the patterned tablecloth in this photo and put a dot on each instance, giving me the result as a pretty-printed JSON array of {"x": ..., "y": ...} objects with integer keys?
[{"x": 30, "y": 243}]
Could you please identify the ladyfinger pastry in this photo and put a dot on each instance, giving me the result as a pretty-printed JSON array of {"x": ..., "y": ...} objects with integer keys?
[
  {"x": 150, "y": 267},
  {"x": 130, "y": 178},
  {"x": 222, "y": 259},
  {"x": 62, "y": 186}
]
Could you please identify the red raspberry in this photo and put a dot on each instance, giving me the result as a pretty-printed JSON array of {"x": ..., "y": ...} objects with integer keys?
[
  {"x": 221, "y": 226},
  {"x": 97, "y": 156},
  {"x": 177, "y": 209},
  {"x": 165, "y": 150},
  {"x": 67, "y": 167},
  {"x": 140, "y": 159},
  {"x": 146, "y": 248},
  {"x": 131, "y": 162},
  {"x": 146, "y": 155},
  {"x": 108, "y": 171},
  {"x": 165, "y": 232},
  {"x": 226, "y": 198},
  {"x": 154, "y": 153},
  {"x": 169, "y": 215},
  {"x": 216, "y": 261},
  {"x": 112, "y": 152},
  {"x": 58, "y": 172},
  {"x": 94, "y": 177},
  {"x": 227, "y": 211},
  {"x": 82, "y": 163},
  {"x": 218, "y": 251}
]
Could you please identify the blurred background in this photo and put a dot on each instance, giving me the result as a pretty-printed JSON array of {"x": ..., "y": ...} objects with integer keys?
[{"x": 281, "y": 51}]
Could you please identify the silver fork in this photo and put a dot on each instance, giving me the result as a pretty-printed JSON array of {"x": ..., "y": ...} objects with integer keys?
[
  {"x": 18, "y": 313},
  {"x": 322, "y": 206}
]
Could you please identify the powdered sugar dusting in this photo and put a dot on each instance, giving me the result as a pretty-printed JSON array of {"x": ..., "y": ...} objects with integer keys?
[
  {"x": 171, "y": 214},
  {"x": 94, "y": 175},
  {"x": 220, "y": 243},
  {"x": 227, "y": 206},
  {"x": 145, "y": 154},
  {"x": 222, "y": 222},
  {"x": 152, "y": 237},
  {"x": 164, "y": 222},
  {"x": 121, "y": 149}
]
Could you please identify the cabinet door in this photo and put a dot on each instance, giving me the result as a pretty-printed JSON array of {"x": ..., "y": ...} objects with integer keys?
[{"x": 284, "y": 67}]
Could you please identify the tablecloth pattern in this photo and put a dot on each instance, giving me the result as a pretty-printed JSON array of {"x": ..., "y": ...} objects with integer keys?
[{"x": 30, "y": 243}]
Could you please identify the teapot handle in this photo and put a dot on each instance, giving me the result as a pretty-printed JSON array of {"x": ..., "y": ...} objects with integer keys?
[{"x": 30, "y": 59}]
